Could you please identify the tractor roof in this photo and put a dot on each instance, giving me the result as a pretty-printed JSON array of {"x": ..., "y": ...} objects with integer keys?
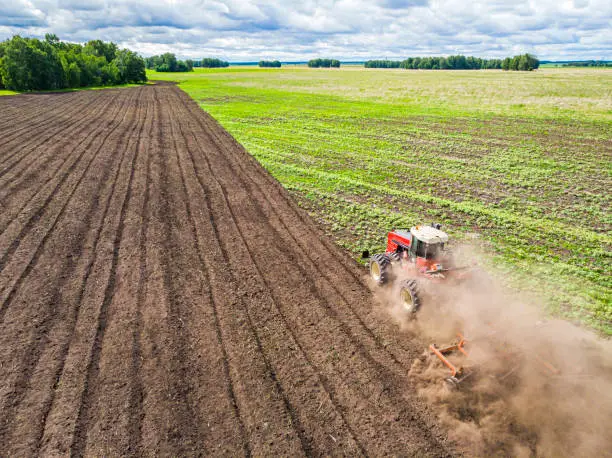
[{"x": 429, "y": 234}]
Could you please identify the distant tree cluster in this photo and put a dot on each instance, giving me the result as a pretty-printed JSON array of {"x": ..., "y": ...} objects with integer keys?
[
  {"x": 168, "y": 63},
  {"x": 212, "y": 62},
  {"x": 382, "y": 64},
  {"x": 523, "y": 62},
  {"x": 437, "y": 63},
  {"x": 28, "y": 64},
  {"x": 270, "y": 63},
  {"x": 326, "y": 63},
  {"x": 458, "y": 62},
  {"x": 588, "y": 63}
]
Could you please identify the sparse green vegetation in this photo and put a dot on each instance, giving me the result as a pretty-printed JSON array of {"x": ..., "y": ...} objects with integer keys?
[{"x": 519, "y": 162}]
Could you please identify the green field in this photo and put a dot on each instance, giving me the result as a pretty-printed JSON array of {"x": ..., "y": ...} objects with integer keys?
[
  {"x": 7, "y": 92},
  {"x": 518, "y": 162}
]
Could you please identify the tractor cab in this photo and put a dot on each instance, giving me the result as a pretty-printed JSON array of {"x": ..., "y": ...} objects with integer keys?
[
  {"x": 423, "y": 245},
  {"x": 428, "y": 242}
]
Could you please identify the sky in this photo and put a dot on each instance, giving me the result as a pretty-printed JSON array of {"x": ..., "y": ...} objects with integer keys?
[{"x": 292, "y": 30}]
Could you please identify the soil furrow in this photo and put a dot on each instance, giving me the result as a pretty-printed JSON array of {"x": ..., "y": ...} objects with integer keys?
[
  {"x": 11, "y": 219},
  {"x": 315, "y": 434},
  {"x": 81, "y": 276},
  {"x": 74, "y": 220},
  {"x": 287, "y": 324},
  {"x": 137, "y": 390},
  {"x": 155, "y": 428},
  {"x": 89, "y": 397},
  {"x": 17, "y": 199},
  {"x": 53, "y": 119},
  {"x": 64, "y": 406},
  {"x": 42, "y": 108},
  {"x": 227, "y": 278},
  {"x": 212, "y": 326},
  {"x": 69, "y": 406},
  {"x": 30, "y": 106},
  {"x": 57, "y": 311},
  {"x": 17, "y": 107},
  {"x": 29, "y": 121},
  {"x": 10, "y": 248},
  {"x": 233, "y": 336},
  {"x": 25, "y": 171}
]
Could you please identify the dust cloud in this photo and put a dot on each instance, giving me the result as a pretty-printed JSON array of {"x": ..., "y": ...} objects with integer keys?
[{"x": 534, "y": 386}]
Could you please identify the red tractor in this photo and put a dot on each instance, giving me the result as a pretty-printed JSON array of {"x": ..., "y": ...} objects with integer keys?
[{"x": 416, "y": 255}]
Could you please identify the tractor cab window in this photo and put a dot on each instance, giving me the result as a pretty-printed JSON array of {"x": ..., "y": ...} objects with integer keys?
[
  {"x": 418, "y": 248},
  {"x": 426, "y": 250},
  {"x": 432, "y": 250}
]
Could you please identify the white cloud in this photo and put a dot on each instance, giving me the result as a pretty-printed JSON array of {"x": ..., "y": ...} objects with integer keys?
[
  {"x": 21, "y": 14},
  {"x": 345, "y": 29}
]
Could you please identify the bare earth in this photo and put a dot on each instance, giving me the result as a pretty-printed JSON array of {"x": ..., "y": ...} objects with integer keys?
[{"x": 160, "y": 293}]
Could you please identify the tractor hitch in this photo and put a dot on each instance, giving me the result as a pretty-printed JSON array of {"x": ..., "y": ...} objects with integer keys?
[
  {"x": 457, "y": 373},
  {"x": 510, "y": 357}
]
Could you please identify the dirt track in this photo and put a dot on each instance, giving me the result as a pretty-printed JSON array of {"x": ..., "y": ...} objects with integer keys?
[{"x": 161, "y": 294}]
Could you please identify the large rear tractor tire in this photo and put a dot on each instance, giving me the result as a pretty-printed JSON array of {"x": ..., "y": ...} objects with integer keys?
[
  {"x": 380, "y": 268},
  {"x": 409, "y": 296}
]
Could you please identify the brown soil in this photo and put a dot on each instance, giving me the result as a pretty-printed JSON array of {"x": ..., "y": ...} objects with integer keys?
[{"x": 160, "y": 293}]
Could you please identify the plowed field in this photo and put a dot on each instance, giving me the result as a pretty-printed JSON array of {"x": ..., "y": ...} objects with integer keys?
[{"x": 160, "y": 293}]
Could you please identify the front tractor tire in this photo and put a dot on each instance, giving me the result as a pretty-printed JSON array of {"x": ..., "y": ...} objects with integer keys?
[
  {"x": 409, "y": 296},
  {"x": 380, "y": 268}
]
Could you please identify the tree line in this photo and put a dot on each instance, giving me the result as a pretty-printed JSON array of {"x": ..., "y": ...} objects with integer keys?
[
  {"x": 325, "y": 63},
  {"x": 28, "y": 64},
  {"x": 383, "y": 64},
  {"x": 212, "y": 62},
  {"x": 270, "y": 63},
  {"x": 168, "y": 62},
  {"x": 588, "y": 63},
  {"x": 459, "y": 62}
]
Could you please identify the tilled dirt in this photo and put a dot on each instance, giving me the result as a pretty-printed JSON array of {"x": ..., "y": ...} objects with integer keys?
[{"x": 160, "y": 293}]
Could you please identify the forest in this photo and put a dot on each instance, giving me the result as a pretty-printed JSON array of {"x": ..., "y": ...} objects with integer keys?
[{"x": 29, "y": 64}]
